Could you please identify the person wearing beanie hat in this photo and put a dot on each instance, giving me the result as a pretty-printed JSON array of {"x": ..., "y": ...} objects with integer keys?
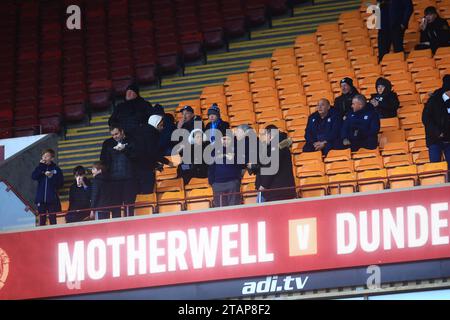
[
  {"x": 434, "y": 31},
  {"x": 343, "y": 103},
  {"x": 436, "y": 119},
  {"x": 385, "y": 100},
  {"x": 215, "y": 123},
  {"x": 133, "y": 112}
]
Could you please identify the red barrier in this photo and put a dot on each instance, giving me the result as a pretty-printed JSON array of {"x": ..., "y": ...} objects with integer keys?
[
  {"x": 2, "y": 153},
  {"x": 256, "y": 240}
]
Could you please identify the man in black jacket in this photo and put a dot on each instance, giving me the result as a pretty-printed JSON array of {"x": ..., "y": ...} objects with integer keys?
[
  {"x": 119, "y": 154},
  {"x": 385, "y": 100},
  {"x": 131, "y": 113},
  {"x": 79, "y": 196},
  {"x": 323, "y": 130},
  {"x": 395, "y": 16},
  {"x": 361, "y": 126},
  {"x": 436, "y": 119},
  {"x": 276, "y": 142},
  {"x": 434, "y": 31},
  {"x": 343, "y": 103},
  {"x": 150, "y": 155},
  {"x": 190, "y": 121}
]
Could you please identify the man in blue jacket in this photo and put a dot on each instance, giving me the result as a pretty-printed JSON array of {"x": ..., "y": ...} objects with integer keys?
[
  {"x": 395, "y": 16},
  {"x": 361, "y": 126},
  {"x": 224, "y": 175},
  {"x": 50, "y": 178},
  {"x": 323, "y": 129}
]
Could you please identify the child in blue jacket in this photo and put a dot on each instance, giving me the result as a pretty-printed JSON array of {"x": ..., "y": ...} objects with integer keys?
[{"x": 50, "y": 178}]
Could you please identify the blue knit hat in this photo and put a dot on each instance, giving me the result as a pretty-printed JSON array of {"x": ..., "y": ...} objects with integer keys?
[{"x": 214, "y": 109}]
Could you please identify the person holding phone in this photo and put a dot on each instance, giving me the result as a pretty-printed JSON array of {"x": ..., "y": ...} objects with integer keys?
[
  {"x": 50, "y": 178},
  {"x": 434, "y": 31}
]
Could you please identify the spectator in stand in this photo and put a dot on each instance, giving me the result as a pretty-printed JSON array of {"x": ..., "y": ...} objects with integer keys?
[
  {"x": 189, "y": 121},
  {"x": 361, "y": 126},
  {"x": 131, "y": 113},
  {"x": 323, "y": 128},
  {"x": 434, "y": 31},
  {"x": 215, "y": 124},
  {"x": 149, "y": 156},
  {"x": 224, "y": 174},
  {"x": 50, "y": 178},
  {"x": 385, "y": 100},
  {"x": 166, "y": 143},
  {"x": 119, "y": 154},
  {"x": 249, "y": 152},
  {"x": 436, "y": 119},
  {"x": 276, "y": 141},
  {"x": 193, "y": 163},
  {"x": 79, "y": 196},
  {"x": 395, "y": 16},
  {"x": 343, "y": 103},
  {"x": 101, "y": 193}
]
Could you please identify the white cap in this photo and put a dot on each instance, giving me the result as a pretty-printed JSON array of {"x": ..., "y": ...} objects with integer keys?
[{"x": 154, "y": 120}]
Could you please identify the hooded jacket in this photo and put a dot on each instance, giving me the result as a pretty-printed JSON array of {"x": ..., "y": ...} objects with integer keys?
[
  {"x": 47, "y": 190},
  {"x": 343, "y": 103},
  {"x": 131, "y": 114},
  {"x": 195, "y": 164},
  {"x": 148, "y": 145},
  {"x": 437, "y": 33},
  {"x": 361, "y": 128},
  {"x": 387, "y": 101},
  {"x": 436, "y": 117}
]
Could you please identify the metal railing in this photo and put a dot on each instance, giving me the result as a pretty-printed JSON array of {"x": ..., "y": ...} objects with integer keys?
[{"x": 183, "y": 203}]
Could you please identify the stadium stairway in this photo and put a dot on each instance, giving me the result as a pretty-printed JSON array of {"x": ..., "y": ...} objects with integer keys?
[{"x": 82, "y": 144}]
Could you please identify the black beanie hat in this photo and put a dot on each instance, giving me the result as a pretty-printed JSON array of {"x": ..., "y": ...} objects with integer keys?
[
  {"x": 348, "y": 81},
  {"x": 133, "y": 87},
  {"x": 446, "y": 82}
]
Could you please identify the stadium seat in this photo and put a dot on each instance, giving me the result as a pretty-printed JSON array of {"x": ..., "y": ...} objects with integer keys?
[{"x": 432, "y": 173}]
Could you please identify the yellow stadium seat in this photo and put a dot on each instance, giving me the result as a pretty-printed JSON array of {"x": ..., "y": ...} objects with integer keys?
[
  {"x": 366, "y": 153},
  {"x": 308, "y": 158},
  {"x": 339, "y": 167},
  {"x": 166, "y": 174},
  {"x": 295, "y": 113},
  {"x": 388, "y": 58},
  {"x": 364, "y": 164},
  {"x": 394, "y": 148},
  {"x": 313, "y": 187},
  {"x": 316, "y": 169},
  {"x": 372, "y": 180},
  {"x": 421, "y": 157},
  {"x": 260, "y": 65},
  {"x": 412, "y": 120},
  {"x": 338, "y": 155},
  {"x": 418, "y": 55},
  {"x": 172, "y": 201},
  {"x": 416, "y": 146},
  {"x": 389, "y": 124},
  {"x": 398, "y": 160},
  {"x": 422, "y": 64},
  {"x": 432, "y": 173},
  {"x": 402, "y": 177},
  {"x": 250, "y": 195},
  {"x": 342, "y": 183},
  {"x": 391, "y": 136},
  {"x": 198, "y": 199},
  {"x": 145, "y": 204}
]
